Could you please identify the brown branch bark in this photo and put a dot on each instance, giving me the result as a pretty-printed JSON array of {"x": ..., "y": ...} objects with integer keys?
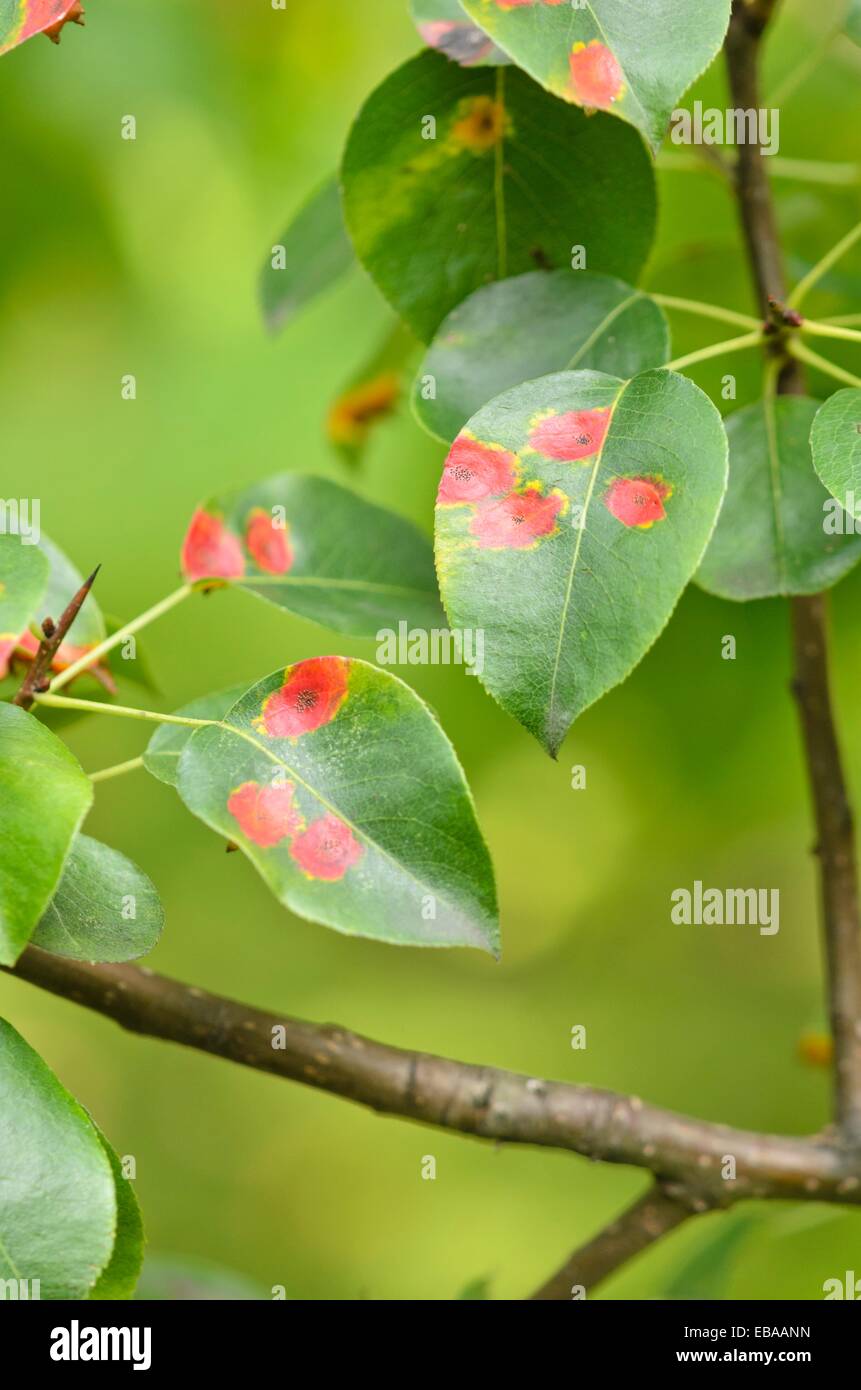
[
  {"x": 688, "y": 1155},
  {"x": 653, "y": 1216},
  {"x": 834, "y": 823}
]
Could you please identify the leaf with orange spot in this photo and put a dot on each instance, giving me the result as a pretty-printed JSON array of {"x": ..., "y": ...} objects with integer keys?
[
  {"x": 454, "y": 177},
  {"x": 318, "y": 550},
  {"x": 628, "y": 57},
  {"x": 340, "y": 787},
  {"x": 21, "y": 19},
  {"x": 572, "y": 570}
]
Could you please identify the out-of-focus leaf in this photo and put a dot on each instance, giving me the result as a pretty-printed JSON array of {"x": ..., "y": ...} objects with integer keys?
[
  {"x": 443, "y": 25},
  {"x": 371, "y": 395},
  {"x": 119, "y": 1277},
  {"x": 165, "y": 747},
  {"x": 341, "y": 788},
  {"x": 23, "y": 579},
  {"x": 529, "y": 326},
  {"x": 44, "y": 795},
  {"x": 706, "y": 1273},
  {"x": 633, "y": 59},
  {"x": 312, "y": 254},
  {"x": 183, "y": 1279},
  {"x": 105, "y": 908},
  {"x": 835, "y": 442},
  {"x": 571, "y": 514},
  {"x": 853, "y": 21},
  {"x": 21, "y": 19},
  {"x": 770, "y": 538},
  {"x": 318, "y": 550},
  {"x": 454, "y": 177},
  {"x": 477, "y": 1290},
  {"x": 58, "y": 1206}
]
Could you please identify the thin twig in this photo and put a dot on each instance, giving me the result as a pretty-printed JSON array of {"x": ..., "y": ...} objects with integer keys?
[
  {"x": 653, "y": 1216},
  {"x": 37, "y": 678},
  {"x": 835, "y": 847}
]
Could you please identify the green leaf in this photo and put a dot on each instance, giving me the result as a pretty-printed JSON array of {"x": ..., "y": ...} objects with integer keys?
[
  {"x": 120, "y": 1276},
  {"x": 511, "y": 180},
  {"x": 527, "y": 327},
  {"x": 23, "y": 579},
  {"x": 835, "y": 442},
  {"x": 318, "y": 550},
  {"x": 58, "y": 1209},
  {"x": 372, "y": 394},
  {"x": 312, "y": 254},
  {"x": 443, "y": 25},
  {"x": 853, "y": 21},
  {"x": 21, "y": 19},
  {"x": 167, "y": 743},
  {"x": 705, "y": 1273},
  {"x": 341, "y": 788},
  {"x": 635, "y": 60},
  {"x": 571, "y": 514},
  {"x": 90, "y": 916},
  {"x": 770, "y": 538},
  {"x": 45, "y": 796}
]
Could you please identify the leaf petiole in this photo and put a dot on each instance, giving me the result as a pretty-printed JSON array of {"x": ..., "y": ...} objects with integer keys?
[
  {"x": 804, "y": 354},
  {"x": 748, "y": 340},
  {"x": 95, "y": 653},
  {"x": 831, "y": 330},
  {"x": 52, "y": 701},
  {"x": 118, "y": 770},
  {"x": 706, "y": 311},
  {"x": 822, "y": 267}
]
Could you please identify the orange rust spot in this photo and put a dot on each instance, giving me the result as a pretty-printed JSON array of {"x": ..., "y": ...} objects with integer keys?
[
  {"x": 352, "y": 415},
  {"x": 481, "y": 124},
  {"x": 816, "y": 1049}
]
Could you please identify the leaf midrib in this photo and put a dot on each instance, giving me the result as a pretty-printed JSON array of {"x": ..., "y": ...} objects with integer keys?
[{"x": 580, "y": 534}]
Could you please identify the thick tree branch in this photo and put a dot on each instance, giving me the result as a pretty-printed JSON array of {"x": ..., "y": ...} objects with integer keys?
[
  {"x": 836, "y": 846},
  {"x": 653, "y": 1216},
  {"x": 688, "y": 1155}
]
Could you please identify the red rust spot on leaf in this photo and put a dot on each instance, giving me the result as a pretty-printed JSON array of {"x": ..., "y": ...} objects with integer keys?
[
  {"x": 576, "y": 434},
  {"x": 638, "y": 501},
  {"x": 596, "y": 78},
  {"x": 210, "y": 551},
  {"x": 474, "y": 471},
  {"x": 268, "y": 544},
  {"x": 519, "y": 521},
  {"x": 310, "y": 697},
  {"x": 265, "y": 814},
  {"x": 327, "y": 849}
]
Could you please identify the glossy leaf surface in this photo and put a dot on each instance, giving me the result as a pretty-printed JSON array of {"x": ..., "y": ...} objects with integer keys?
[
  {"x": 771, "y": 537},
  {"x": 571, "y": 514},
  {"x": 318, "y": 550},
  {"x": 527, "y": 327},
  {"x": 339, "y": 785}
]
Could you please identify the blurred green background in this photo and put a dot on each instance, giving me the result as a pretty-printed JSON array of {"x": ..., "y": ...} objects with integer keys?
[{"x": 142, "y": 257}]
